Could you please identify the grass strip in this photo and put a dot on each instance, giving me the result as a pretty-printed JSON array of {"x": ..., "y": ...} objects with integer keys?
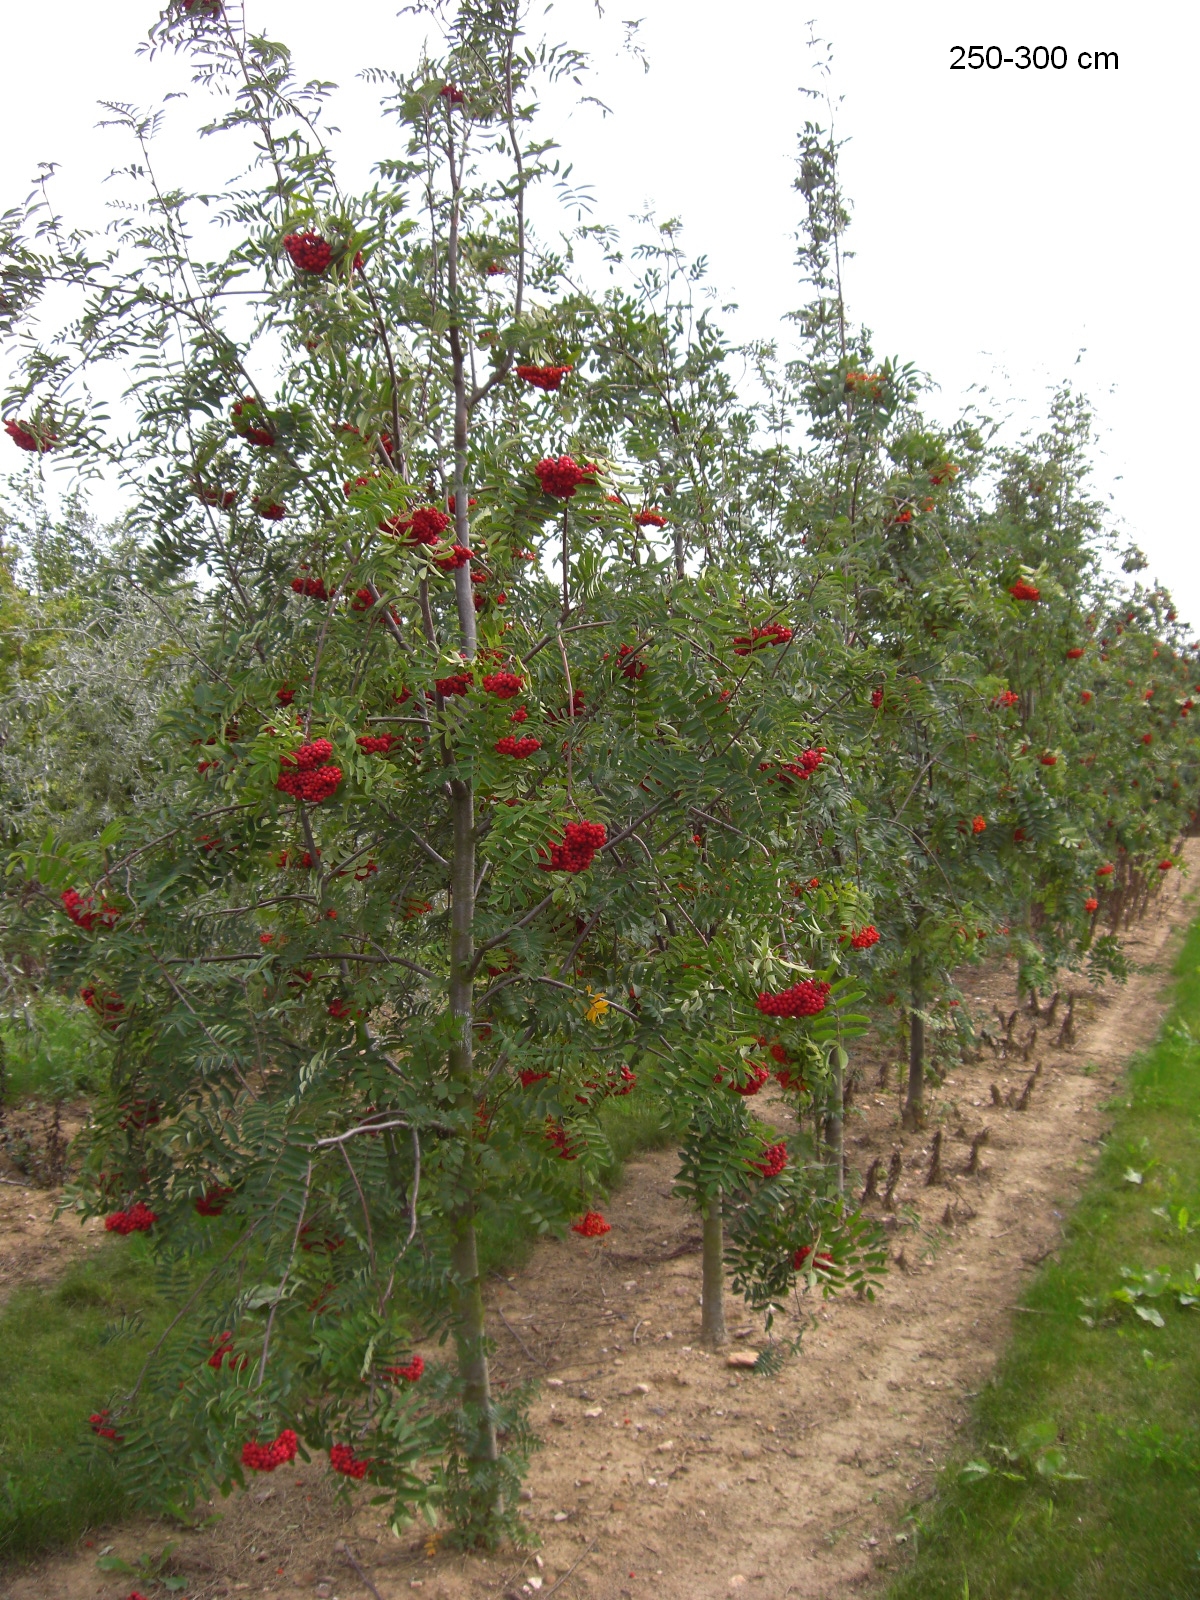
[{"x": 1080, "y": 1475}]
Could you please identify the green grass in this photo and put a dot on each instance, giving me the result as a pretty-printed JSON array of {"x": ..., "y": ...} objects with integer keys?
[
  {"x": 63, "y": 1351},
  {"x": 1117, "y": 1402},
  {"x": 50, "y": 1050}
]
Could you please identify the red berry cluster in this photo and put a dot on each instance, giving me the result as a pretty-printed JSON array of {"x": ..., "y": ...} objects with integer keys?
[
  {"x": 138, "y": 1219},
  {"x": 340, "y": 1009},
  {"x": 247, "y": 422},
  {"x": 876, "y": 698},
  {"x": 528, "y": 1077},
  {"x": 864, "y": 938},
  {"x": 1165, "y": 866},
  {"x": 269, "y": 510},
  {"x": 342, "y": 1459},
  {"x": 452, "y": 504},
  {"x": 756, "y": 1075},
  {"x": 212, "y": 1201},
  {"x": 211, "y": 496},
  {"x": 457, "y": 683},
  {"x": 634, "y": 668},
  {"x": 1024, "y": 591},
  {"x": 978, "y": 824},
  {"x": 1074, "y": 654},
  {"x": 457, "y": 556},
  {"x": 309, "y": 251},
  {"x": 1105, "y": 871},
  {"x": 504, "y": 685},
  {"x": 580, "y": 841},
  {"x": 803, "y": 769},
  {"x": 1048, "y": 758},
  {"x": 789, "y": 1081},
  {"x": 452, "y": 93},
  {"x": 803, "y": 999},
  {"x": 558, "y": 1136},
  {"x": 560, "y": 479},
  {"x": 363, "y": 600},
  {"x": 1091, "y": 904},
  {"x": 425, "y": 525},
  {"x": 761, "y": 638},
  {"x": 409, "y": 1374},
  {"x": 109, "y": 1007},
  {"x": 266, "y": 1457},
  {"x": 25, "y": 439},
  {"x": 773, "y": 1162},
  {"x": 519, "y": 748},
  {"x": 619, "y": 1082},
  {"x": 591, "y": 1225},
  {"x": 305, "y": 776},
  {"x": 822, "y": 1262},
  {"x": 305, "y": 859},
  {"x": 312, "y": 589},
  {"x": 542, "y": 377},
  {"x": 577, "y": 708},
  {"x": 101, "y": 1426},
  {"x": 376, "y": 744},
  {"x": 1007, "y": 698},
  {"x": 224, "y": 1352},
  {"x": 652, "y": 518},
  {"x": 868, "y": 383},
  {"x": 82, "y": 914}
]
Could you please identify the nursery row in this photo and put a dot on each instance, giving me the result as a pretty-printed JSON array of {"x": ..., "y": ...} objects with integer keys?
[{"x": 558, "y": 704}]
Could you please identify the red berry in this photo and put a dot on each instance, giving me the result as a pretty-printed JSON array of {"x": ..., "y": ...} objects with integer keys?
[
  {"x": 25, "y": 438},
  {"x": 560, "y": 479},
  {"x": 803, "y": 999},
  {"x": 591, "y": 1225},
  {"x": 547, "y": 378},
  {"x": 309, "y": 251}
]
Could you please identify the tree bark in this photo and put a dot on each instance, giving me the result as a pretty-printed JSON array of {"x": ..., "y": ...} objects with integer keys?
[
  {"x": 712, "y": 1317},
  {"x": 470, "y": 1334},
  {"x": 469, "y": 1330},
  {"x": 835, "y": 1125},
  {"x": 914, "y": 1104}
]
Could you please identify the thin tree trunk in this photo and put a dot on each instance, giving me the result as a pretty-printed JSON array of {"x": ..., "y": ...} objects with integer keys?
[
  {"x": 835, "y": 1124},
  {"x": 469, "y": 1328},
  {"x": 470, "y": 1334},
  {"x": 914, "y": 1104},
  {"x": 712, "y": 1318}
]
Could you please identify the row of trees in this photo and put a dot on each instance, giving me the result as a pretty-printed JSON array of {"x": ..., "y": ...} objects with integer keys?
[{"x": 540, "y": 717}]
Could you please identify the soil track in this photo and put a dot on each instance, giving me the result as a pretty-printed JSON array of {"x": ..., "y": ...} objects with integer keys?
[{"x": 668, "y": 1474}]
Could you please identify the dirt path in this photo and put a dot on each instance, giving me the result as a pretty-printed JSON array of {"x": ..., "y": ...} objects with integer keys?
[{"x": 668, "y": 1474}]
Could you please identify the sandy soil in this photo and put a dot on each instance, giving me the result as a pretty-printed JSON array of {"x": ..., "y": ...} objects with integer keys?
[
  {"x": 36, "y": 1246},
  {"x": 666, "y": 1472}
]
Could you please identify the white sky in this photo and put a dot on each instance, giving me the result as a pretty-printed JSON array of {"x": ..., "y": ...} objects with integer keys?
[{"x": 1011, "y": 228}]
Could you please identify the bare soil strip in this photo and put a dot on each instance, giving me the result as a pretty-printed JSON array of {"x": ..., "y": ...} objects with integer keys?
[{"x": 668, "y": 1473}]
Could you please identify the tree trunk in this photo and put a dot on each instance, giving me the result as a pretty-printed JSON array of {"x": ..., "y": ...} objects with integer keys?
[
  {"x": 914, "y": 1104},
  {"x": 835, "y": 1123},
  {"x": 712, "y": 1318},
  {"x": 469, "y": 1332}
]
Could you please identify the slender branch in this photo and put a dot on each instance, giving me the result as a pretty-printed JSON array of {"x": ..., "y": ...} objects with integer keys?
[
  {"x": 362, "y": 1201},
  {"x": 490, "y": 944},
  {"x": 262, "y": 1365}
]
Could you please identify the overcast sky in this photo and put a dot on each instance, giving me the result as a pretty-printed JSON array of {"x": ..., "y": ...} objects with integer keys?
[{"x": 1012, "y": 228}]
